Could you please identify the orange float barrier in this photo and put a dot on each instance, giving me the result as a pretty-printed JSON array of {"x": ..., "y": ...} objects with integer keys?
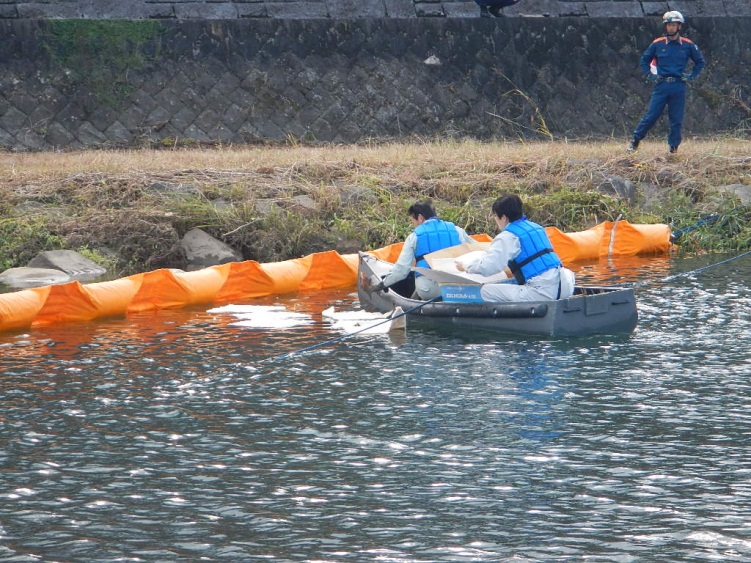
[
  {"x": 246, "y": 280},
  {"x": 112, "y": 298},
  {"x": 329, "y": 270},
  {"x": 66, "y": 302},
  {"x": 163, "y": 289},
  {"x": 582, "y": 245},
  {"x": 630, "y": 240},
  {"x": 18, "y": 310},
  {"x": 619, "y": 238}
]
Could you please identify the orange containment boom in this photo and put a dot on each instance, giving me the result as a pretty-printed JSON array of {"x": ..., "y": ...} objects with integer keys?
[
  {"x": 165, "y": 289},
  {"x": 619, "y": 238}
]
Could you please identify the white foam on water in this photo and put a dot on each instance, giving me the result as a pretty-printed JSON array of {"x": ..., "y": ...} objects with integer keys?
[
  {"x": 363, "y": 322},
  {"x": 263, "y": 316}
]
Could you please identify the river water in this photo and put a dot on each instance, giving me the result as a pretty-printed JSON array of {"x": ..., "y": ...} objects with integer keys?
[{"x": 187, "y": 436}]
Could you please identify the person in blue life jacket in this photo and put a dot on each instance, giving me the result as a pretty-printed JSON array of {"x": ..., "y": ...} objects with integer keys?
[
  {"x": 430, "y": 235},
  {"x": 523, "y": 247},
  {"x": 664, "y": 63},
  {"x": 493, "y": 8}
]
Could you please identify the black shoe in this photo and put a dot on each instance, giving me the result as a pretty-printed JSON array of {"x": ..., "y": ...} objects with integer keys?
[
  {"x": 632, "y": 146},
  {"x": 496, "y": 11},
  {"x": 673, "y": 150}
]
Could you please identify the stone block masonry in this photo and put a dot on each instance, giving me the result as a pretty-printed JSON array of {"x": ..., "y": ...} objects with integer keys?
[
  {"x": 348, "y": 9},
  {"x": 256, "y": 80}
]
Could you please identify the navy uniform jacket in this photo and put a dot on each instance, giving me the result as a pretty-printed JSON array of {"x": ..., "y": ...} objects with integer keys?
[{"x": 671, "y": 57}]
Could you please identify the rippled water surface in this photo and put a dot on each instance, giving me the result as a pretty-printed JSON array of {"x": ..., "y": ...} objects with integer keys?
[{"x": 191, "y": 436}]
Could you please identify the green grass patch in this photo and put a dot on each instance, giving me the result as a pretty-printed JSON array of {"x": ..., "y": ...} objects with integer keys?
[{"x": 98, "y": 55}]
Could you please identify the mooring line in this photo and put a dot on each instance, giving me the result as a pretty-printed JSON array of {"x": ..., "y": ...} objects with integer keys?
[
  {"x": 690, "y": 272},
  {"x": 340, "y": 338},
  {"x": 701, "y": 222}
]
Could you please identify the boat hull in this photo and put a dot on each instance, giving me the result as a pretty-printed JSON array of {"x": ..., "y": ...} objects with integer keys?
[{"x": 590, "y": 311}]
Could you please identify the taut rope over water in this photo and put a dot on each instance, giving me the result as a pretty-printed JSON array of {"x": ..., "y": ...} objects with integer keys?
[
  {"x": 340, "y": 338},
  {"x": 696, "y": 271}
]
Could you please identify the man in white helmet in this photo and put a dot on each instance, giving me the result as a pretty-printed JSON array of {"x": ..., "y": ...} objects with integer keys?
[{"x": 664, "y": 64}]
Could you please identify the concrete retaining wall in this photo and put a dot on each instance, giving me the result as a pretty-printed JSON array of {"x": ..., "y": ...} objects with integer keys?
[{"x": 246, "y": 80}]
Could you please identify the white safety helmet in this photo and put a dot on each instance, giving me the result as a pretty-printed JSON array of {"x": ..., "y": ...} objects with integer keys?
[{"x": 673, "y": 17}]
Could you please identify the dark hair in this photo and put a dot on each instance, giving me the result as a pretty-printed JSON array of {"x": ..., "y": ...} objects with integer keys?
[
  {"x": 424, "y": 208},
  {"x": 510, "y": 206}
]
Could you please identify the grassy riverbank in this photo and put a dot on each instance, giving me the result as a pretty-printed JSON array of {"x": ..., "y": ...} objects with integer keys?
[{"x": 128, "y": 209}]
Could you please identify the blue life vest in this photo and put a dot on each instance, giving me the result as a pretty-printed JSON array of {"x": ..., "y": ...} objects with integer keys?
[
  {"x": 434, "y": 235},
  {"x": 537, "y": 255}
]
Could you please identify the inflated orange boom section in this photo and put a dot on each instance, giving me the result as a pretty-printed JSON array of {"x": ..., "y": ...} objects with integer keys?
[{"x": 164, "y": 289}]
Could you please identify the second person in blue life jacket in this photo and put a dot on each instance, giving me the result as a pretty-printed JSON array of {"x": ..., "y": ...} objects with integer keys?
[
  {"x": 430, "y": 235},
  {"x": 523, "y": 247},
  {"x": 665, "y": 64}
]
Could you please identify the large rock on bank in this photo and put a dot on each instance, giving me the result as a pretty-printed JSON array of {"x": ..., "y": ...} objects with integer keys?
[
  {"x": 52, "y": 267},
  {"x": 69, "y": 261},
  {"x": 25, "y": 278},
  {"x": 203, "y": 250}
]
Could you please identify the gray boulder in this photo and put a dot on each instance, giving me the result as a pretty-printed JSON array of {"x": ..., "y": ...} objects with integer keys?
[
  {"x": 203, "y": 250},
  {"x": 357, "y": 195},
  {"x": 619, "y": 187},
  {"x": 24, "y": 278},
  {"x": 741, "y": 191},
  {"x": 69, "y": 261}
]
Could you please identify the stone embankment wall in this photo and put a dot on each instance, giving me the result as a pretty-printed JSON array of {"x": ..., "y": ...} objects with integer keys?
[
  {"x": 73, "y": 84},
  {"x": 347, "y": 9}
]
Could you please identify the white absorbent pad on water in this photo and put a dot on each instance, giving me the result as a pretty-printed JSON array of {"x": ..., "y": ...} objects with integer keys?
[
  {"x": 264, "y": 316},
  {"x": 364, "y": 322}
]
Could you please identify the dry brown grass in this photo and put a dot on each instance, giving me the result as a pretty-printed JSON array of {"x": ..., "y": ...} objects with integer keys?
[
  {"x": 403, "y": 161},
  {"x": 428, "y": 166}
]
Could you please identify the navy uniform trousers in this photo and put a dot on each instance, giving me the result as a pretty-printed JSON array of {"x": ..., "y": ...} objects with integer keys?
[{"x": 673, "y": 95}]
